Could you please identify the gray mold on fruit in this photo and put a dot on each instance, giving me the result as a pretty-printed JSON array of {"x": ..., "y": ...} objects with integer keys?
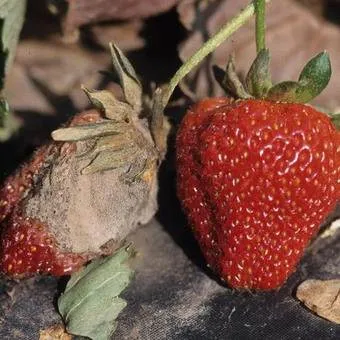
[{"x": 86, "y": 211}]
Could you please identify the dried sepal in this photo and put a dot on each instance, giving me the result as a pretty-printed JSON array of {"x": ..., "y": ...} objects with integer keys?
[
  {"x": 232, "y": 81},
  {"x": 106, "y": 143},
  {"x": 122, "y": 138},
  {"x": 158, "y": 125},
  {"x": 128, "y": 79},
  {"x": 106, "y": 102},
  {"x": 138, "y": 169},
  {"x": 87, "y": 131},
  {"x": 110, "y": 159}
]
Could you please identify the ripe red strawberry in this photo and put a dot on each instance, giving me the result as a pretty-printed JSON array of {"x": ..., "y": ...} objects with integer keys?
[{"x": 256, "y": 179}]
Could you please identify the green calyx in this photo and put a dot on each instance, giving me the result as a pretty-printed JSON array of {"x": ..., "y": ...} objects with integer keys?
[
  {"x": 258, "y": 84},
  {"x": 335, "y": 118},
  {"x": 258, "y": 80},
  {"x": 313, "y": 79}
]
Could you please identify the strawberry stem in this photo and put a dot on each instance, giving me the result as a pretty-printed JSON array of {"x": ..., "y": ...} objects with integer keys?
[
  {"x": 260, "y": 12},
  {"x": 209, "y": 46}
]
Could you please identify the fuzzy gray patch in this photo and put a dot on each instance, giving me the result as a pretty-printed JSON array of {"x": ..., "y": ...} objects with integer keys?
[{"x": 84, "y": 212}]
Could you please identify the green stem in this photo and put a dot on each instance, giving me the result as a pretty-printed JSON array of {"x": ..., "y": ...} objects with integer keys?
[
  {"x": 260, "y": 11},
  {"x": 209, "y": 46}
]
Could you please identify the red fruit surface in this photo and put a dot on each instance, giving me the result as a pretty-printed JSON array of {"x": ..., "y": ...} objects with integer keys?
[
  {"x": 27, "y": 249},
  {"x": 256, "y": 179}
]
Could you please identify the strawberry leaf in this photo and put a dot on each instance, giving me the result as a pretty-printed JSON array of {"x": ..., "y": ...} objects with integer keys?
[
  {"x": 91, "y": 303},
  {"x": 258, "y": 80},
  {"x": 12, "y": 14}
]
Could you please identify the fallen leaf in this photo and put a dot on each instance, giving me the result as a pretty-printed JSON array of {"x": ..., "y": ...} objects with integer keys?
[
  {"x": 91, "y": 303},
  {"x": 322, "y": 297},
  {"x": 126, "y": 33},
  {"x": 59, "y": 68},
  {"x": 12, "y": 14}
]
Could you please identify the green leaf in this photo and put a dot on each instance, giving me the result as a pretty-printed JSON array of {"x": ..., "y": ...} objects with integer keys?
[
  {"x": 258, "y": 80},
  {"x": 91, "y": 303},
  {"x": 314, "y": 77},
  {"x": 12, "y": 13},
  {"x": 128, "y": 79}
]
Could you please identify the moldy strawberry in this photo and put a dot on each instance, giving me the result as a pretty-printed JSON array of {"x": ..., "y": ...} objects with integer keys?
[{"x": 82, "y": 194}]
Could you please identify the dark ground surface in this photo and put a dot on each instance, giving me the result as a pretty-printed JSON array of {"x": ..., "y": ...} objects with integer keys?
[{"x": 173, "y": 296}]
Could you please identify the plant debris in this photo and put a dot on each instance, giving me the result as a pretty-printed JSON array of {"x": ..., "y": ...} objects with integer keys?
[
  {"x": 322, "y": 297},
  {"x": 56, "y": 332}
]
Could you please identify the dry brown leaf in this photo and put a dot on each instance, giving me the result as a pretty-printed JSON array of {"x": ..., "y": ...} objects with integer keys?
[
  {"x": 126, "y": 34},
  {"x": 294, "y": 35},
  {"x": 60, "y": 68},
  {"x": 56, "y": 332},
  {"x": 81, "y": 12},
  {"x": 322, "y": 297}
]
